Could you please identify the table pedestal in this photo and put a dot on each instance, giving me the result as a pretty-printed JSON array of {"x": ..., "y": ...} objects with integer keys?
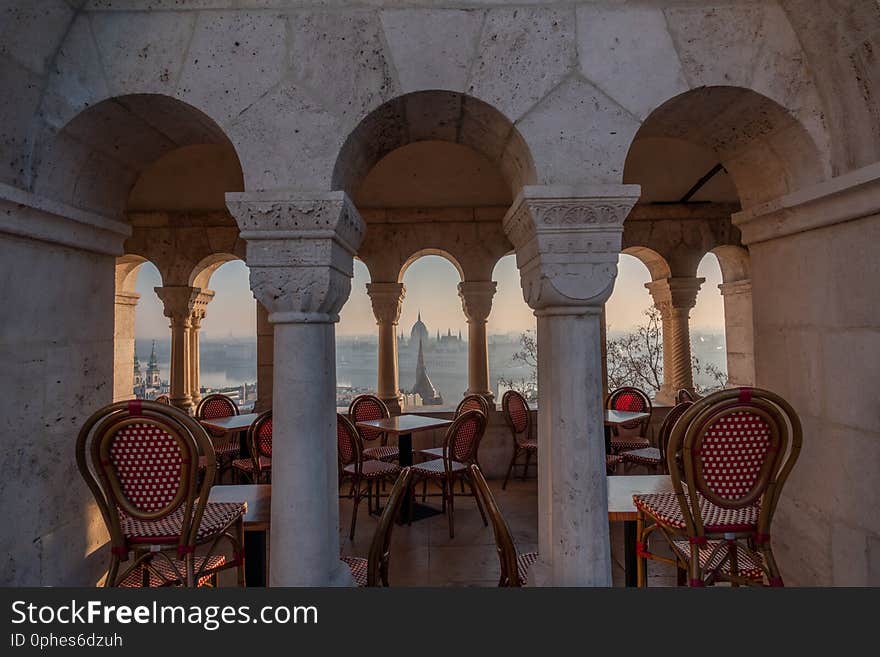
[{"x": 419, "y": 511}]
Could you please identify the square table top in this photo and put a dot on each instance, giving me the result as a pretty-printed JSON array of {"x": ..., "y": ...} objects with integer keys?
[
  {"x": 621, "y": 489},
  {"x": 231, "y": 423},
  {"x": 258, "y": 498},
  {"x": 405, "y": 424},
  {"x": 613, "y": 418}
]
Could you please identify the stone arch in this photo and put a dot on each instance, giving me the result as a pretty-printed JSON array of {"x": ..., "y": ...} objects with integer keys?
[
  {"x": 201, "y": 274},
  {"x": 735, "y": 262},
  {"x": 766, "y": 149},
  {"x": 427, "y": 252},
  {"x": 94, "y": 160},
  {"x": 434, "y": 115},
  {"x": 656, "y": 264}
]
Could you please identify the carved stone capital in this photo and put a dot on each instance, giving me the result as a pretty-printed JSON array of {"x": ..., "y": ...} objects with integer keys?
[
  {"x": 300, "y": 249},
  {"x": 387, "y": 299},
  {"x": 200, "y": 306},
  {"x": 678, "y": 293},
  {"x": 178, "y": 302},
  {"x": 476, "y": 299},
  {"x": 567, "y": 242}
]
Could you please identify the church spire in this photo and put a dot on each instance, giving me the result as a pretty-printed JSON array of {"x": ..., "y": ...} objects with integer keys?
[{"x": 423, "y": 387}]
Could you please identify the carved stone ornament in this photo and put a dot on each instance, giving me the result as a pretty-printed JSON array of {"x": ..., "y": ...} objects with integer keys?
[
  {"x": 387, "y": 300},
  {"x": 177, "y": 302},
  {"x": 476, "y": 299},
  {"x": 300, "y": 249},
  {"x": 567, "y": 242}
]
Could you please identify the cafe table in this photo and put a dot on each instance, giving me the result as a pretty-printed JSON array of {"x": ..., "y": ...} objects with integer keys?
[
  {"x": 258, "y": 498},
  {"x": 404, "y": 426},
  {"x": 621, "y": 489},
  {"x": 221, "y": 427},
  {"x": 616, "y": 418}
]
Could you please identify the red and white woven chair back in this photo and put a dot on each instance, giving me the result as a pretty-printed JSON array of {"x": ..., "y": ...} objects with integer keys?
[
  {"x": 262, "y": 429},
  {"x": 347, "y": 441},
  {"x": 368, "y": 407},
  {"x": 216, "y": 406},
  {"x": 631, "y": 399},
  {"x": 472, "y": 403},
  {"x": 463, "y": 436},
  {"x": 516, "y": 411},
  {"x": 736, "y": 445}
]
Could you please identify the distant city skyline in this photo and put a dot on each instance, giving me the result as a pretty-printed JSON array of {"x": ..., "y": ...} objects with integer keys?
[{"x": 431, "y": 288}]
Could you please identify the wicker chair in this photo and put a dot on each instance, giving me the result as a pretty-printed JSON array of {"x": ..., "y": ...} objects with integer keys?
[
  {"x": 469, "y": 403},
  {"x": 227, "y": 447},
  {"x": 634, "y": 433},
  {"x": 685, "y": 395},
  {"x": 460, "y": 448},
  {"x": 729, "y": 456},
  {"x": 353, "y": 465},
  {"x": 163, "y": 399},
  {"x": 518, "y": 418},
  {"x": 655, "y": 457},
  {"x": 514, "y": 566},
  {"x": 370, "y": 407},
  {"x": 140, "y": 460},
  {"x": 374, "y": 569},
  {"x": 257, "y": 468}
]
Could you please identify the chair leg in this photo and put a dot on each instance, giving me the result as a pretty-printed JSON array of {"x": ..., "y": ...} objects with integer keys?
[
  {"x": 526, "y": 466},
  {"x": 510, "y": 467},
  {"x": 239, "y": 535},
  {"x": 112, "y": 572},
  {"x": 354, "y": 508},
  {"x": 641, "y": 561},
  {"x": 424, "y": 489},
  {"x": 450, "y": 486},
  {"x": 476, "y": 497}
]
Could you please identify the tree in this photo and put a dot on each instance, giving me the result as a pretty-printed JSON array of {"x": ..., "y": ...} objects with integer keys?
[{"x": 634, "y": 358}]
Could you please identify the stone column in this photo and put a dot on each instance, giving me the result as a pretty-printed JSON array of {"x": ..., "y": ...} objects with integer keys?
[
  {"x": 567, "y": 242},
  {"x": 300, "y": 251},
  {"x": 123, "y": 339},
  {"x": 739, "y": 332},
  {"x": 476, "y": 301},
  {"x": 674, "y": 297},
  {"x": 387, "y": 299},
  {"x": 198, "y": 314},
  {"x": 265, "y": 349},
  {"x": 178, "y": 301}
]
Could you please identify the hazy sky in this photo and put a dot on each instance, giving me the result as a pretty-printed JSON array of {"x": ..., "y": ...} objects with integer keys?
[{"x": 431, "y": 286}]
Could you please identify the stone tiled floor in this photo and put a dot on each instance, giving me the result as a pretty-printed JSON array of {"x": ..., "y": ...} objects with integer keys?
[{"x": 423, "y": 554}]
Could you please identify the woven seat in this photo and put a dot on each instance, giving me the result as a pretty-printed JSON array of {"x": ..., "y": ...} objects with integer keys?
[
  {"x": 161, "y": 572},
  {"x": 665, "y": 509},
  {"x": 436, "y": 468},
  {"x": 646, "y": 456},
  {"x": 531, "y": 444},
  {"x": 359, "y": 567},
  {"x": 713, "y": 554},
  {"x": 382, "y": 453},
  {"x": 627, "y": 443},
  {"x": 372, "y": 469},
  {"x": 523, "y": 563},
  {"x": 217, "y": 517},
  {"x": 611, "y": 462},
  {"x": 247, "y": 465}
]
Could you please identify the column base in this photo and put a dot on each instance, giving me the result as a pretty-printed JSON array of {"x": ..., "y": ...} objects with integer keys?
[
  {"x": 394, "y": 404},
  {"x": 184, "y": 404},
  {"x": 665, "y": 396}
]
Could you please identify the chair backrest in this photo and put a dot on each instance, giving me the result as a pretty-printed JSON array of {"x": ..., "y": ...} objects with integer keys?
[
  {"x": 259, "y": 438},
  {"x": 163, "y": 399},
  {"x": 504, "y": 543},
  {"x": 516, "y": 412},
  {"x": 629, "y": 398},
  {"x": 685, "y": 395},
  {"x": 463, "y": 437},
  {"x": 216, "y": 406},
  {"x": 738, "y": 447},
  {"x": 140, "y": 459},
  {"x": 380, "y": 548},
  {"x": 473, "y": 403},
  {"x": 368, "y": 407},
  {"x": 349, "y": 446},
  {"x": 666, "y": 427}
]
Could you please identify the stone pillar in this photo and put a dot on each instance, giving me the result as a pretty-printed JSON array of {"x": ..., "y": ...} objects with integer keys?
[
  {"x": 476, "y": 301},
  {"x": 178, "y": 301},
  {"x": 604, "y": 342},
  {"x": 674, "y": 297},
  {"x": 123, "y": 340},
  {"x": 300, "y": 251},
  {"x": 198, "y": 314},
  {"x": 265, "y": 350},
  {"x": 739, "y": 332},
  {"x": 387, "y": 299},
  {"x": 567, "y": 242}
]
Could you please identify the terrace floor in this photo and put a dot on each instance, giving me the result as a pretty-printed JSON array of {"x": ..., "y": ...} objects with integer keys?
[{"x": 423, "y": 554}]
